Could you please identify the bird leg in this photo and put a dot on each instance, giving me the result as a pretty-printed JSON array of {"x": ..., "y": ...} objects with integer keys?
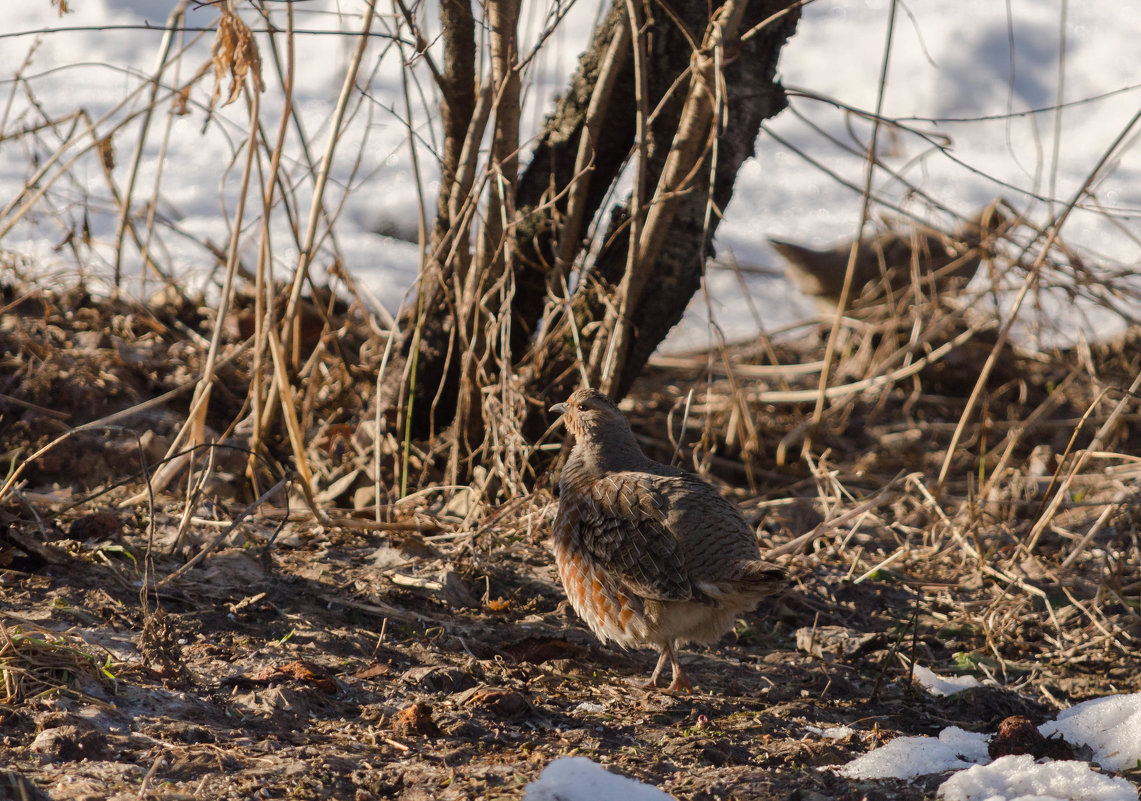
[
  {"x": 680, "y": 681},
  {"x": 662, "y": 657}
]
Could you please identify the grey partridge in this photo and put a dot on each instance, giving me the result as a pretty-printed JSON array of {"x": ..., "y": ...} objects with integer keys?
[
  {"x": 944, "y": 262},
  {"x": 649, "y": 555}
]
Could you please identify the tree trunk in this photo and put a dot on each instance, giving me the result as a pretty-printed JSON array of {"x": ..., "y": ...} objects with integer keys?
[{"x": 750, "y": 95}]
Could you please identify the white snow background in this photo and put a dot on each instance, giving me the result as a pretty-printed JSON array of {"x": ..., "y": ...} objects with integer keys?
[{"x": 983, "y": 85}]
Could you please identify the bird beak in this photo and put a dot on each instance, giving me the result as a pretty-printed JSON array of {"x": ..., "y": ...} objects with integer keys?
[{"x": 558, "y": 408}]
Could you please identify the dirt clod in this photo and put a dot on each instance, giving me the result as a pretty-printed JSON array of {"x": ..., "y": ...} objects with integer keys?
[
  {"x": 70, "y": 742},
  {"x": 415, "y": 719},
  {"x": 1017, "y": 735}
]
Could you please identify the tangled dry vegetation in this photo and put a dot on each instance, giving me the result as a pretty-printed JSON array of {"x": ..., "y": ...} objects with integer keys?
[{"x": 221, "y": 635}]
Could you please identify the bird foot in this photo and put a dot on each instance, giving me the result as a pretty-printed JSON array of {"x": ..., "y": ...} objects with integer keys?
[{"x": 680, "y": 683}]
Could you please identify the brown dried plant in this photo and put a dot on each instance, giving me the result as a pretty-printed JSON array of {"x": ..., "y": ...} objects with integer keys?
[
  {"x": 35, "y": 661},
  {"x": 235, "y": 53}
]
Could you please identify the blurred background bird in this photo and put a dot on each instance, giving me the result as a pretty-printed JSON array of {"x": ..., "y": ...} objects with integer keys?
[{"x": 891, "y": 262}]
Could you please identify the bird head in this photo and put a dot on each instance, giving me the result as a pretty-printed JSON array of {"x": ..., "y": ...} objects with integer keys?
[
  {"x": 588, "y": 411},
  {"x": 987, "y": 226}
]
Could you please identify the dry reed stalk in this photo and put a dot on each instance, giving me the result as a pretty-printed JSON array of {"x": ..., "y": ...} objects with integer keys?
[
  {"x": 856, "y": 388},
  {"x": 24, "y": 202},
  {"x": 1100, "y": 438},
  {"x": 263, "y": 280},
  {"x": 849, "y": 272},
  {"x": 42, "y": 182},
  {"x": 430, "y": 266},
  {"x": 507, "y": 452},
  {"x": 35, "y": 407},
  {"x": 107, "y": 163},
  {"x": 235, "y": 52},
  {"x": 763, "y": 338},
  {"x": 484, "y": 334},
  {"x": 106, "y": 422},
  {"x": 176, "y": 456},
  {"x": 379, "y": 427},
  {"x": 741, "y": 423},
  {"x": 680, "y": 438},
  {"x": 924, "y": 331},
  {"x": 149, "y": 238},
  {"x": 292, "y": 425},
  {"x": 779, "y": 371},
  {"x": 308, "y": 241},
  {"x": 799, "y": 544},
  {"x": 235, "y": 55},
  {"x": 496, "y": 248},
  {"x": 1020, "y": 430},
  {"x": 17, "y": 79},
  {"x": 177, "y": 13},
  {"x": 450, "y": 235},
  {"x": 195, "y": 486},
  {"x": 894, "y": 557},
  {"x": 571, "y": 233},
  {"x": 691, "y": 149},
  {"x": 609, "y": 352}
]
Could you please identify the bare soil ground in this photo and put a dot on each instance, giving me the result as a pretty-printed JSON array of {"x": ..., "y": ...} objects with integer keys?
[{"x": 432, "y": 655}]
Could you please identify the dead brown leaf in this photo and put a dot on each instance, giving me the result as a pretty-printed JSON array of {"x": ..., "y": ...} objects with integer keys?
[{"x": 235, "y": 53}]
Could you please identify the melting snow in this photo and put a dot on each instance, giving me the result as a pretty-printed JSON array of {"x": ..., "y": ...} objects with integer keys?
[
  {"x": 909, "y": 757},
  {"x": 941, "y": 685},
  {"x": 832, "y": 732},
  {"x": 1019, "y": 778},
  {"x": 580, "y": 779},
  {"x": 966, "y": 63},
  {"x": 1111, "y": 726}
]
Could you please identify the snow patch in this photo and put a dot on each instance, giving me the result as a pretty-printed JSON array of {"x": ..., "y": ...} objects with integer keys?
[
  {"x": 1111, "y": 726},
  {"x": 950, "y": 59},
  {"x": 580, "y": 779},
  {"x": 941, "y": 685},
  {"x": 1019, "y": 778},
  {"x": 910, "y": 757}
]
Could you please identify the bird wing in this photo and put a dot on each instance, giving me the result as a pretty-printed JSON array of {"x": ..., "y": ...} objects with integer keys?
[{"x": 624, "y": 526}]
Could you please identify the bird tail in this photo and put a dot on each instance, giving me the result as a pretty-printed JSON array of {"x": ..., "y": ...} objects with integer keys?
[{"x": 758, "y": 578}]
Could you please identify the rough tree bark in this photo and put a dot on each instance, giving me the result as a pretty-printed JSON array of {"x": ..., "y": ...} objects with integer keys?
[{"x": 750, "y": 95}]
